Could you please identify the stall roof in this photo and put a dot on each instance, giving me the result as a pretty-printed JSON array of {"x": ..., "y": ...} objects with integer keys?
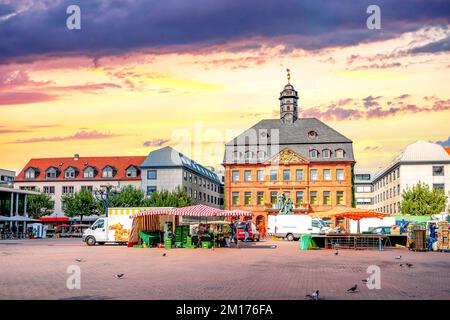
[
  {"x": 199, "y": 210},
  {"x": 351, "y": 213}
]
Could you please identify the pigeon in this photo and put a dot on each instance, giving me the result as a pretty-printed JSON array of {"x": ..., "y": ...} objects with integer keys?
[
  {"x": 336, "y": 253},
  {"x": 398, "y": 257},
  {"x": 119, "y": 275},
  {"x": 409, "y": 265},
  {"x": 401, "y": 264},
  {"x": 164, "y": 254},
  {"x": 365, "y": 280},
  {"x": 79, "y": 260},
  {"x": 353, "y": 289},
  {"x": 313, "y": 296}
]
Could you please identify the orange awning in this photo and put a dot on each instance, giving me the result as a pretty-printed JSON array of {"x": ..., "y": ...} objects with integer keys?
[{"x": 351, "y": 213}]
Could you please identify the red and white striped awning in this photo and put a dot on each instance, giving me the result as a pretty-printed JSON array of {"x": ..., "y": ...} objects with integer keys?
[
  {"x": 235, "y": 213},
  {"x": 199, "y": 210}
]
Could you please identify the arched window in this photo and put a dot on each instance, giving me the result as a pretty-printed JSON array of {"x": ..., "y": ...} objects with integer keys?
[
  {"x": 108, "y": 172},
  {"x": 248, "y": 155},
  {"x": 313, "y": 153},
  {"x": 339, "y": 153},
  {"x": 70, "y": 173}
]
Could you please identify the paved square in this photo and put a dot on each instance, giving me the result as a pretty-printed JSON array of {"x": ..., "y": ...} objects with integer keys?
[{"x": 37, "y": 269}]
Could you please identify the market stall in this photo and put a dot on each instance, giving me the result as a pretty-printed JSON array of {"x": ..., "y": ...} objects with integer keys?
[{"x": 164, "y": 223}]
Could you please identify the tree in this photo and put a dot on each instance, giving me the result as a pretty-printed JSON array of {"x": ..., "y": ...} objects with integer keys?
[
  {"x": 420, "y": 200},
  {"x": 39, "y": 205},
  {"x": 80, "y": 203},
  {"x": 128, "y": 197},
  {"x": 164, "y": 198}
]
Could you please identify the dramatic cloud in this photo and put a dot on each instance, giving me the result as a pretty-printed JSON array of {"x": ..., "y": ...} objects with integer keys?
[
  {"x": 442, "y": 45},
  {"x": 371, "y": 101},
  {"x": 115, "y": 27},
  {"x": 156, "y": 142},
  {"x": 10, "y": 98},
  {"x": 444, "y": 143},
  {"x": 82, "y": 135}
]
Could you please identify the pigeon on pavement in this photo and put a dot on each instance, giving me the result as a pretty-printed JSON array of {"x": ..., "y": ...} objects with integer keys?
[
  {"x": 336, "y": 253},
  {"x": 79, "y": 260},
  {"x": 119, "y": 275},
  {"x": 409, "y": 265},
  {"x": 365, "y": 280},
  {"x": 353, "y": 289},
  {"x": 398, "y": 257},
  {"x": 164, "y": 254},
  {"x": 313, "y": 296}
]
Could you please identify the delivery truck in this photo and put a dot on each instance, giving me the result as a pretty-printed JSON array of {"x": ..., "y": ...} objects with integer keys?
[
  {"x": 115, "y": 228},
  {"x": 292, "y": 226}
]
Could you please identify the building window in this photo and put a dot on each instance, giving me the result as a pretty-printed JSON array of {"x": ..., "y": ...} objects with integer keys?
[
  {"x": 313, "y": 174},
  {"x": 248, "y": 155},
  {"x": 273, "y": 197},
  {"x": 235, "y": 175},
  {"x": 30, "y": 174},
  {"x": 339, "y": 153},
  {"x": 88, "y": 172},
  {"x": 195, "y": 180},
  {"x": 49, "y": 189},
  {"x": 69, "y": 173},
  {"x": 299, "y": 174},
  {"x": 260, "y": 175},
  {"x": 152, "y": 175},
  {"x": 67, "y": 189},
  {"x": 107, "y": 172},
  {"x": 51, "y": 173},
  {"x": 340, "y": 174},
  {"x": 313, "y": 197},
  {"x": 363, "y": 177},
  {"x": 235, "y": 198},
  {"x": 438, "y": 170},
  {"x": 248, "y": 198},
  {"x": 209, "y": 198},
  {"x": 88, "y": 188},
  {"x": 195, "y": 195},
  {"x": 313, "y": 153},
  {"x": 260, "y": 198},
  {"x": 326, "y": 153},
  {"x": 273, "y": 175},
  {"x": 247, "y": 175},
  {"x": 439, "y": 186},
  {"x": 326, "y": 174},
  {"x": 185, "y": 175},
  {"x": 286, "y": 175},
  {"x": 299, "y": 197},
  {"x": 190, "y": 177},
  {"x": 262, "y": 155},
  {"x": 327, "y": 198},
  {"x": 237, "y": 155},
  {"x": 340, "y": 197},
  {"x": 363, "y": 189},
  {"x": 151, "y": 189},
  {"x": 131, "y": 172},
  {"x": 204, "y": 196}
]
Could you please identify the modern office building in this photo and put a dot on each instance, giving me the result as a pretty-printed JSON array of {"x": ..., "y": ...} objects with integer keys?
[
  {"x": 420, "y": 161},
  {"x": 7, "y": 177},
  {"x": 363, "y": 182},
  {"x": 166, "y": 169},
  {"x": 59, "y": 176},
  {"x": 303, "y": 158}
]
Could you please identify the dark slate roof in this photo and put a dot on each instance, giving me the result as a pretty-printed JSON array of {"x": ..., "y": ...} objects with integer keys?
[
  {"x": 293, "y": 136},
  {"x": 168, "y": 157}
]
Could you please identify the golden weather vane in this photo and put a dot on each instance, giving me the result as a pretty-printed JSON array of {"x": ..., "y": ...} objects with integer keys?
[{"x": 288, "y": 75}]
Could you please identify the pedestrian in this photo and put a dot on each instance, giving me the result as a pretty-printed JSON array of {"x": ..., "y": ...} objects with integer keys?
[
  {"x": 233, "y": 232},
  {"x": 246, "y": 229}
]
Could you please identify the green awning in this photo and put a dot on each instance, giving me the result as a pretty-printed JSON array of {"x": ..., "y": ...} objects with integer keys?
[{"x": 413, "y": 218}]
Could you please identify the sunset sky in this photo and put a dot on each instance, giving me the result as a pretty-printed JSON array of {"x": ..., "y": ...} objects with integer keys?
[{"x": 193, "y": 74}]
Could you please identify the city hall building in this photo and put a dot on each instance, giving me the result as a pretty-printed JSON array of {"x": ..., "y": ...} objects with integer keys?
[{"x": 303, "y": 158}]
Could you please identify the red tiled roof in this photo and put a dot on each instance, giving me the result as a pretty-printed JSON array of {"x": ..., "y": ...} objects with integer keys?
[
  {"x": 120, "y": 163},
  {"x": 448, "y": 150}
]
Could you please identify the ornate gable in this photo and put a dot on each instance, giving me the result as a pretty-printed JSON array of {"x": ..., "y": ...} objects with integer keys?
[{"x": 287, "y": 156}]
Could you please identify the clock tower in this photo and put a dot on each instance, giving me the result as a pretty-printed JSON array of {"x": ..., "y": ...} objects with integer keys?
[{"x": 288, "y": 102}]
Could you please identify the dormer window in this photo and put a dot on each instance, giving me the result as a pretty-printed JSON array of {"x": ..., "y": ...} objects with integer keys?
[
  {"x": 248, "y": 155},
  {"x": 237, "y": 155},
  {"x": 108, "y": 172},
  {"x": 262, "y": 155},
  {"x": 70, "y": 173},
  {"x": 312, "y": 134},
  {"x": 339, "y": 153},
  {"x": 326, "y": 153},
  {"x": 313, "y": 153},
  {"x": 51, "y": 173},
  {"x": 30, "y": 173},
  {"x": 89, "y": 172},
  {"x": 132, "y": 172}
]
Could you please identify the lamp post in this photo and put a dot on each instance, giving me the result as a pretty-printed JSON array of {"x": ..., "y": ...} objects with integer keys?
[{"x": 105, "y": 196}]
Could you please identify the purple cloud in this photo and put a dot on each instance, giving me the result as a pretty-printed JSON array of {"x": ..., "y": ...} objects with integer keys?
[
  {"x": 156, "y": 142},
  {"x": 82, "y": 135}
]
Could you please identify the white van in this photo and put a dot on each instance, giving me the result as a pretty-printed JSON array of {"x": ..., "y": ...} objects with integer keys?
[
  {"x": 115, "y": 228},
  {"x": 292, "y": 226}
]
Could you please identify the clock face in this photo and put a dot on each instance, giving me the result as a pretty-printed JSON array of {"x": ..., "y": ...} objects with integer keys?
[{"x": 288, "y": 117}]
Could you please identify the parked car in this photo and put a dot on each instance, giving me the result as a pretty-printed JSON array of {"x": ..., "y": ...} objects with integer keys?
[
  {"x": 381, "y": 230},
  {"x": 253, "y": 233}
]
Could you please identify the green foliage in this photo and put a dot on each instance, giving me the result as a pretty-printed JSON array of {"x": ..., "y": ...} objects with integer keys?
[
  {"x": 80, "y": 203},
  {"x": 39, "y": 205},
  {"x": 128, "y": 197},
  {"x": 164, "y": 198},
  {"x": 420, "y": 200}
]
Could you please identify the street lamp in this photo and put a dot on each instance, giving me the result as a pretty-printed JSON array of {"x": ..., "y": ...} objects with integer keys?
[{"x": 105, "y": 195}]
